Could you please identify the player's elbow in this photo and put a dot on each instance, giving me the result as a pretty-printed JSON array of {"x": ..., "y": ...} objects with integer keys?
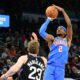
[{"x": 40, "y": 32}]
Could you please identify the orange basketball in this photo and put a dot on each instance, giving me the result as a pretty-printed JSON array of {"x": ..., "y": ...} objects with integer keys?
[{"x": 51, "y": 12}]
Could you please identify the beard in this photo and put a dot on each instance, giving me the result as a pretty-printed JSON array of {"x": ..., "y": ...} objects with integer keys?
[{"x": 61, "y": 35}]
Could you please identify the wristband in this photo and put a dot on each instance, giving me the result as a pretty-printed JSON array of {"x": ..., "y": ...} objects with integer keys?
[
  {"x": 4, "y": 77},
  {"x": 49, "y": 18}
]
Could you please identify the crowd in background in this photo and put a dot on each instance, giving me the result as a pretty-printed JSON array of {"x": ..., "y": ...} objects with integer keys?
[{"x": 14, "y": 42}]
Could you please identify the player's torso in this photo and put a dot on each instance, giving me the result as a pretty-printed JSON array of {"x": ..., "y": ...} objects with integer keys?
[
  {"x": 33, "y": 69},
  {"x": 58, "y": 52}
]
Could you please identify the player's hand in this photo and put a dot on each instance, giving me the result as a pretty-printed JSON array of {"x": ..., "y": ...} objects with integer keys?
[
  {"x": 0, "y": 78},
  {"x": 34, "y": 36},
  {"x": 58, "y": 8}
]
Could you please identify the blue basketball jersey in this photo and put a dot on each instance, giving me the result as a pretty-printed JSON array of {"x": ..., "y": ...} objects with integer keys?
[{"x": 58, "y": 55}]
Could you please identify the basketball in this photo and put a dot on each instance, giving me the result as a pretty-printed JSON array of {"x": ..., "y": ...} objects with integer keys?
[{"x": 51, "y": 12}]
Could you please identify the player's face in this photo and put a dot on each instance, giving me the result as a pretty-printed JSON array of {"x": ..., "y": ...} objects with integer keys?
[{"x": 60, "y": 31}]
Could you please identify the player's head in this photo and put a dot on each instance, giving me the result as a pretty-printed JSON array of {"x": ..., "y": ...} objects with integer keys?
[
  {"x": 33, "y": 47},
  {"x": 61, "y": 31}
]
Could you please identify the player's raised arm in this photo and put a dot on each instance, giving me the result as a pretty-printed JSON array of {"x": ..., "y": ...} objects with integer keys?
[
  {"x": 68, "y": 22},
  {"x": 69, "y": 25},
  {"x": 43, "y": 32},
  {"x": 15, "y": 68}
]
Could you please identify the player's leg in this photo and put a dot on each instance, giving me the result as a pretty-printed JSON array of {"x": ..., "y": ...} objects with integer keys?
[
  {"x": 59, "y": 73},
  {"x": 49, "y": 73}
]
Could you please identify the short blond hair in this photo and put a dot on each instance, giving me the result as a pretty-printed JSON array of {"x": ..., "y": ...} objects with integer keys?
[{"x": 33, "y": 46}]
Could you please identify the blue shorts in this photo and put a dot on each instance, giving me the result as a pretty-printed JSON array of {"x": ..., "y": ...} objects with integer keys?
[{"x": 54, "y": 73}]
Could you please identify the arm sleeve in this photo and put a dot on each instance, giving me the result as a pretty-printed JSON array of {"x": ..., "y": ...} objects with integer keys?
[{"x": 43, "y": 28}]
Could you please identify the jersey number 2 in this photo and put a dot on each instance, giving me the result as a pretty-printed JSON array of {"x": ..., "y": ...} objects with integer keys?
[
  {"x": 60, "y": 48},
  {"x": 34, "y": 71}
]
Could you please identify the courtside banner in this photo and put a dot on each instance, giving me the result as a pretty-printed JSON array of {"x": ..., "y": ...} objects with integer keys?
[{"x": 4, "y": 20}]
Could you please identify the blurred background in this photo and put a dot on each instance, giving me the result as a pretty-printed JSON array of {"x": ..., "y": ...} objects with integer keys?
[{"x": 25, "y": 17}]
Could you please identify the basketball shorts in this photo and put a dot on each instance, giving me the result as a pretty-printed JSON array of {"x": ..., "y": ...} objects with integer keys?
[{"x": 54, "y": 73}]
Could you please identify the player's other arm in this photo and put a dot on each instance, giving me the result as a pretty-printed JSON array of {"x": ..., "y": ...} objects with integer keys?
[
  {"x": 15, "y": 68},
  {"x": 68, "y": 22},
  {"x": 69, "y": 27},
  {"x": 43, "y": 32}
]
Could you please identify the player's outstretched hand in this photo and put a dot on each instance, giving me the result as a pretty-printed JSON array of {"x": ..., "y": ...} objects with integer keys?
[
  {"x": 0, "y": 78},
  {"x": 58, "y": 8},
  {"x": 34, "y": 36}
]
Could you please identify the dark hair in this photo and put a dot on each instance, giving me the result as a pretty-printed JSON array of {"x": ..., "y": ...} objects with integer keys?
[{"x": 33, "y": 46}]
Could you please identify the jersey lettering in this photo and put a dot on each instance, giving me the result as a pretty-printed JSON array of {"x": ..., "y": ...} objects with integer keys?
[{"x": 60, "y": 48}]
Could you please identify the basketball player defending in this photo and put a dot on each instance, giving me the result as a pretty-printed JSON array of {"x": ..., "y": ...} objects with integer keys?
[
  {"x": 59, "y": 47},
  {"x": 31, "y": 66}
]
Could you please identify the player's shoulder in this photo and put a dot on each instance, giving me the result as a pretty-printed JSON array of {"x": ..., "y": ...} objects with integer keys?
[
  {"x": 44, "y": 60},
  {"x": 23, "y": 58},
  {"x": 42, "y": 57}
]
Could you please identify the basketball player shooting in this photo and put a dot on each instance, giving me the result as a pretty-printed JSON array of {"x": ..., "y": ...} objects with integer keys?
[
  {"x": 31, "y": 66},
  {"x": 59, "y": 47}
]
